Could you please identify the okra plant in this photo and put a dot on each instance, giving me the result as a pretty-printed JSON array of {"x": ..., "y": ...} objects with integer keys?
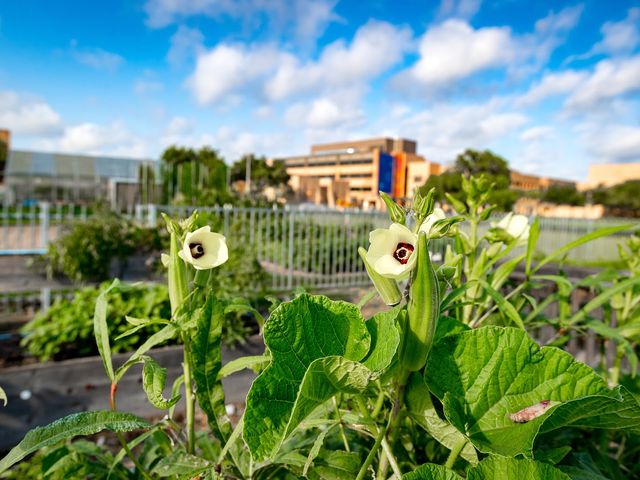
[{"x": 444, "y": 383}]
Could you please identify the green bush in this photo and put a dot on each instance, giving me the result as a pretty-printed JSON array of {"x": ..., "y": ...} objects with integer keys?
[{"x": 87, "y": 249}]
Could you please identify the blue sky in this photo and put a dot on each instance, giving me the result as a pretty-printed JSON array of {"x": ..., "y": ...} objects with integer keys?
[{"x": 551, "y": 86}]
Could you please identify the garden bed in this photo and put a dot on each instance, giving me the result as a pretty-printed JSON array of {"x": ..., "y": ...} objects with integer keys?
[{"x": 41, "y": 393}]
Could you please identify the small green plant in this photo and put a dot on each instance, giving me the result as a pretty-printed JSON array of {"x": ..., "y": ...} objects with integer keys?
[{"x": 444, "y": 384}]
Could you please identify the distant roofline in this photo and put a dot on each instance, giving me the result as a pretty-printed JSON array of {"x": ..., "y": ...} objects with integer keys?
[{"x": 83, "y": 155}]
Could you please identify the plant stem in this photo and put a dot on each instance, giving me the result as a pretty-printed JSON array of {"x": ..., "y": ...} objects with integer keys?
[
  {"x": 121, "y": 439},
  {"x": 379, "y": 401},
  {"x": 341, "y": 426},
  {"x": 372, "y": 453},
  {"x": 234, "y": 436},
  {"x": 392, "y": 460},
  {"x": 188, "y": 395},
  {"x": 367, "y": 297},
  {"x": 455, "y": 451}
]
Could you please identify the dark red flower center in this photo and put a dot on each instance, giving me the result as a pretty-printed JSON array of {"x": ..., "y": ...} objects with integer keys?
[
  {"x": 403, "y": 252},
  {"x": 196, "y": 250}
]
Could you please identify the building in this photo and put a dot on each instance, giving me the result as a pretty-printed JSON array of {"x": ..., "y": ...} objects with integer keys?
[
  {"x": 609, "y": 174},
  {"x": 58, "y": 177},
  {"x": 527, "y": 182},
  {"x": 352, "y": 173}
]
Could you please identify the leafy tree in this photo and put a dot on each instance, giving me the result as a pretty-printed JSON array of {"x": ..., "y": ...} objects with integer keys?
[
  {"x": 621, "y": 199},
  {"x": 563, "y": 195},
  {"x": 190, "y": 175},
  {"x": 473, "y": 162},
  {"x": 262, "y": 174}
]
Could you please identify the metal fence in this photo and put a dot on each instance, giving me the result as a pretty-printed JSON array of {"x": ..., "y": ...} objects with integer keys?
[{"x": 315, "y": 249}]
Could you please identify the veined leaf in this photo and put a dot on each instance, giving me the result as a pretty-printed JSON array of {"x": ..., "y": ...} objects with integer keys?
[
  {"x": 297, "y": 333},
  {"x": 335, "y": 465},
  {"x": 431, "y": 471},
  {"x": 486, "y": 375},
  {"x": 154, "y": 378},
  {"x": 84, "y": 423},
  {"x": 385, "y": 339},
  {"x": 157, "y": 338},
  {"x": 101, "y": 330},
  {"x": 603, "y": 298},
  {"x": 207, "y": 361},
  {"x": 422, "y": 411},
  {"x": 180, "y": 463},
  {"x": 602, "y": 232},
  {"x": 241, "y": 363},
  {"x": 494, "y": 467}
]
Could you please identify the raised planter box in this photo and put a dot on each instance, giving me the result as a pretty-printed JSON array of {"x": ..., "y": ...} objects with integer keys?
[{"x": 39, "y": 394}]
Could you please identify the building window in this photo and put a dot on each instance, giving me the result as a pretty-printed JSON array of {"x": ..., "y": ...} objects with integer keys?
[{"x": 417, "y": 179}]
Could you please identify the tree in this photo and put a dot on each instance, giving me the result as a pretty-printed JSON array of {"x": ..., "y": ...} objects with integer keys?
[
  {"x": 262, "y": 174},
  {"x": 621, "y": 199},
  {"x": 563, "y": 195},
  {"x": 189, "y": 175},
  {"x": 473, "y": 162}
]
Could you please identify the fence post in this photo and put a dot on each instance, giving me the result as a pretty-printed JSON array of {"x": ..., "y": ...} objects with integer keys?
[
  {"x": 138, "y": 214},
  {"x": 290, "y": 252},
  {"x": 152, "y": 218},
  {"x": 44, "y": 224},
  {"x": 45, "y": 299}
]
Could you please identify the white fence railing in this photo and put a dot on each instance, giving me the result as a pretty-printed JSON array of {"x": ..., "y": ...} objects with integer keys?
[{"x": 297, "y": 248}]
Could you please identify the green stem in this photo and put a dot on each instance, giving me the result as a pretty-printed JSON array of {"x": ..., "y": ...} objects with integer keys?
[
  {"x": 392, "y": 460},
  {"x": 372, "y": 453},
  {"x": 379, "y": 402},
  {"x": 341, "y": 426},
  {"x": 122, "y": 440},
  {"x": 455, "y": 452},
  {"x": 367, "y": 297},
  {"x": 188, "y": 395},
  {"x": 234, "y": 436}
]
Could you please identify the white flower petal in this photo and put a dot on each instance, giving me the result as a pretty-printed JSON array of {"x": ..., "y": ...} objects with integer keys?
[
  {"x": 389, "y": 267},
  {"x": 165, "y": 259},
  {"x": 427, "y": 224},
  {"x": 213, "y": 244}
]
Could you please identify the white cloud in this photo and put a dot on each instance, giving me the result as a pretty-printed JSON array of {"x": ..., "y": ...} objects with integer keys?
[
  {"x": 376, "y": 47},
  {"x": 179, "y": 125},
  {"x": 26, "y": 115},
  {"x": 230, "y": 68},
  {"x": 92, "y": 137},
  {"x": 610, "y": 79},
  {"x": 552, "y": 84},
  {"x": 454, "y": 50},
  {"x": 143, "y": 86},
  {"x": 185, "y": 44},
  {"x": 323, "y": 113},
  {"x": 620, "y": 37},
  {"x": 306, "y": 19},
  {"x": 612, "y": 143},
  {"x": 458, "y": 8},
  {"x": 96, "y": 58},
  {"x": 537, "y": 133}
]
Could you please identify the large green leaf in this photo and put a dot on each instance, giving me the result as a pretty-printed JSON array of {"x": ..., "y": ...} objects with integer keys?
[
  {"x": 84, "y": 423},
  {"x": 484, "y": 375},
  {"x": 181, "y": 464},
  {"x": 154, "y": 340},
  {"x": 494, "y": 467},
  {"x": 335, "y": 465},
  {"x": 431, "y": 471},
  {"x": 422, "y": 411},
  {"x": 297, "y": 333},
  {"x": 207, "y": 361},
  {"x": 101, "y": 329},
  {"x": 324, "y": 378},
  {"x": 385, "y": 339}
]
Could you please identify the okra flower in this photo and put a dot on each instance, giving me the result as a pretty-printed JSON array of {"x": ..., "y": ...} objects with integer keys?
[
  {"x": 517, "y": 226},
  {"x": 391, "y": 252},
  {"x": 204, "y": 249},
  {"x": 427, "y": 224}
]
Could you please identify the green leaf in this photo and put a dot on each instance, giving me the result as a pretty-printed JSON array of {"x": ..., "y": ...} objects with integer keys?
[
  {"x": 241, "y": 363},
  {"x": 324, "y": 378},
  {"x": 385, "y": 339},
  {"x": 297, "y": 333},
  {"x": 84, "y": 423},
  {"x": 101, "y": 330},
  {"x": 315, "y": 450},
  {"x": 3, "y": 397},
  {"x": 157, "y": 338},
  {"x": 154, "y": 378},
  {"x": 335, "y": 465},
  {"x": 133, "y": 330},
  {"x": 422, "y": 411},
  {"x": 431, "y": 471},
  {"x": 602, "y": 232},
  {"x": 181, "y": 464},
  {"x": 534, "y": 234},
  {"x": 207, "y": 360},
  {"x": 505, "y": 307},
  {"x": 452, "y": 296},
  {"x": 243, "y": 309},
  {"x": 504, "y": 271},
  {"x": 604, "y": 297},
  {"x": 486, "y": 374},
  {"x": 495, "y": 467}
]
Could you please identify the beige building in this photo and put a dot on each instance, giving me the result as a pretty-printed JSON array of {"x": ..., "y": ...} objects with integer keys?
[
  {"x": 352, "y": 173},
  {"x": 609, "y": 174},
  {"x": 527, "y": 182}
]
